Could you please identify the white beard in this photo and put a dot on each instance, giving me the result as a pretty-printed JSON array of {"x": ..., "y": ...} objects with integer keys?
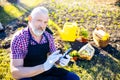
[{"x": 36, "y": 31}]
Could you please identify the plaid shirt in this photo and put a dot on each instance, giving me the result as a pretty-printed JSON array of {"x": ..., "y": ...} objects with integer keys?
[{"x": 19, "y": 43}]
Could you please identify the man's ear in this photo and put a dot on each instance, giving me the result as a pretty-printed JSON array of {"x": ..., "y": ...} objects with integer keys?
[{"x": 29, "y": 18}]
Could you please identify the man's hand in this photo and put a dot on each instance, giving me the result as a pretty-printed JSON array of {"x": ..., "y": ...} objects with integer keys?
[
  {"x": 55, "y": 56},
  {"x": 64, "y": 61}
]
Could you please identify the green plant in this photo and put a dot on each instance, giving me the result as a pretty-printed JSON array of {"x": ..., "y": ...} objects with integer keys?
[
  {"x": 84, "y": 32},
  {"x": 74, "y": 54},
  {"x": 82, "y": 20}
]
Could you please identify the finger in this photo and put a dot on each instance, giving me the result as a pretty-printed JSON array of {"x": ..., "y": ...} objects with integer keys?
[
  {"x": 57, "y": 57},
  {"x": 63, "y": 60},
  {"x": 63, "y": 63},
  {"x": 56, "y": 52}
]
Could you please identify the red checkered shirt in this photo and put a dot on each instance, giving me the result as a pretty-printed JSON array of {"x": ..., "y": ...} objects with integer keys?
[{"x": 20, "y": 40}]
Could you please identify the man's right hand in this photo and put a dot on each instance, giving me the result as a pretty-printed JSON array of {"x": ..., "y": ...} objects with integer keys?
[
  {"x": 55, "y": 56},
  {"x": 19, "y": 71}
]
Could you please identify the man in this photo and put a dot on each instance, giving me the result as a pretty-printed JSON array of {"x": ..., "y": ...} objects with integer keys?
[{"x": 30, "y": 48}]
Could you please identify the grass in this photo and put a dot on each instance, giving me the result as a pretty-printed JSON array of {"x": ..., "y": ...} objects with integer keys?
[
  {"x": 4, "y": 65},
  {"x": 87, "y": 14},
  {"x": 31, "y": 3},
  {"x": 10, "y": 11}
]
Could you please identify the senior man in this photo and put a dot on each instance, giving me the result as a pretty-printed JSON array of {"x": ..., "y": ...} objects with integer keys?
[{"x": 29, "y": 50}]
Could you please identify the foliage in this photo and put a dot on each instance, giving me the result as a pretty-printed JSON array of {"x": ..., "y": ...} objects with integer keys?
[
  {"x": 5, "y": 65},
  {"x": 31, "y": 3},
  {"x": 10, "y": 11},
  {"x": 84, "y": 32},
  {"x": 74, "y": 54}
]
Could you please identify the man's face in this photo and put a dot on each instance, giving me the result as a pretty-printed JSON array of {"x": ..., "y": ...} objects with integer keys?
[{"x": 38, "y": 24}]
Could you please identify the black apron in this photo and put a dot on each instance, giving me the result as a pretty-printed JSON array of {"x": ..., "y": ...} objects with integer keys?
[{"x": 37, "y": 54}]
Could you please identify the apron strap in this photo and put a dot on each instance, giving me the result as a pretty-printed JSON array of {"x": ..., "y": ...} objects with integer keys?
[
  {"x": 30, "y": 37},
  {"x": 46, "y": 37}
]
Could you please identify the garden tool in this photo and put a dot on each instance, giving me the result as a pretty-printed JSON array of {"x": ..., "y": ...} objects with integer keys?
[
  {"x": 65, "y": 54},
  {"x": 69, "y": 32}
]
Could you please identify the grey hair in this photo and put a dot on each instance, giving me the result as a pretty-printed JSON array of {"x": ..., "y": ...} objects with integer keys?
[{"x": 39, "y": 10}]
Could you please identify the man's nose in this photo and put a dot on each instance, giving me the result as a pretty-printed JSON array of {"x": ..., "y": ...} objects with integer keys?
[
  {"x": 41, "y": 24},
  {"x": 40, "y": 27}
]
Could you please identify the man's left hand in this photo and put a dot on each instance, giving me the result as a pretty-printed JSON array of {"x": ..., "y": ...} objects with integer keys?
[{"x": 64, "y": 61}]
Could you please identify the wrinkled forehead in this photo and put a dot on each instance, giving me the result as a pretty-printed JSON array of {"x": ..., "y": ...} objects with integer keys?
[
  {"x": 39, "y": 11},
  {"x": 41, "y": 16}
]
